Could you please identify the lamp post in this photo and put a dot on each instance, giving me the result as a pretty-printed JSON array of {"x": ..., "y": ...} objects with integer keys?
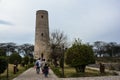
[
  {"x": 8, "y": 63},
  {"x": 62, "y": 60},
  {"x": 7, "y": 72},
  {"x": 7, "y": 68}
]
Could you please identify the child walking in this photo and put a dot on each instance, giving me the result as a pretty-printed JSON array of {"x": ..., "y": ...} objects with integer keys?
[{"x": 46, "y": 70}]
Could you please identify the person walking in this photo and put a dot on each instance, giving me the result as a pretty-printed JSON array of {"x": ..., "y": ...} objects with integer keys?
[
  {"x": 42, "y": 65},
  {"x": 38, "y": 65},
  {"x": 46, "y": 70},
  {"x": 15, "y": 66}
]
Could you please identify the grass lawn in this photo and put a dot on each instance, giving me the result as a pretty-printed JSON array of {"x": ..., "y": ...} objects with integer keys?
[
  {"x": 11, "y": 75},
  {"x": 71, "y": 72}
]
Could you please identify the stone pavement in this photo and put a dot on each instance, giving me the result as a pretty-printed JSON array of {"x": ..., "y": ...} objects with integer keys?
[{"x": 30, "y": 74}]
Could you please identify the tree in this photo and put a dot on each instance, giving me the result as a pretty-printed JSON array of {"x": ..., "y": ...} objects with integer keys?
[
  {"x": 26, "y": 60},
  {"x": 31, "y": 60},
  {"x": 117, "y": 50},
  {"x": 100, "y": 48},
  {"x": 103, "y": 49},
  {"x": 8, "y": 47},
  {"x": 2, "y": 52},
  {"x": 26, "y": 50},
  {"x": 112, "y": 48},
  {"x": 57, "y": 41},
  {"x": 3, "y": 64},
  {"x": 79, "y": 55},
  {"x": 58, "y": 38},
  {"x": 15, "y": 57}
]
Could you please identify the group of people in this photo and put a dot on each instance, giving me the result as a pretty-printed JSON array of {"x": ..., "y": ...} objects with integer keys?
[{"x": 42, "y": 64}]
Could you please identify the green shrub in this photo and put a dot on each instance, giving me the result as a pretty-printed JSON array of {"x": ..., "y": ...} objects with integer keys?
[
  {"x": 2, "y": 52},
  {"x": 56, "y": 71},
  {"x": 26, "y": 60},
  {"x": 79, "y": 55},
  {"x": 31, "y": 60},
  {"x": 3, "y": 64},
  {"x": 22, "y": 63},
  {"x": 15, "y": 57},
  {"x": 30, "y": 65}
]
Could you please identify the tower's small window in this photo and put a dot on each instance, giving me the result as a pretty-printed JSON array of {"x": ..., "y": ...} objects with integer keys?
[
  {"x": 42, "y": 34},
  {"x": 42, "y": 55},
  {"x": 41, "y": 16}
]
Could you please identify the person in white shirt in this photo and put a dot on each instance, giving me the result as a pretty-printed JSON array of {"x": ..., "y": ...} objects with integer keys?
[{"x": 42, "y": 65}]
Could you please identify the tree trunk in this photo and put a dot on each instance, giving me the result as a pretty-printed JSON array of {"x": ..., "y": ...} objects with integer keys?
[
  {"x": 82, "y": 68},
  {"x": 77, "y": 69}
]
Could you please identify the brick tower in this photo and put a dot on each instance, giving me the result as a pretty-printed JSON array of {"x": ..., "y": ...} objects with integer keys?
[{"x": 41, "y": 48}]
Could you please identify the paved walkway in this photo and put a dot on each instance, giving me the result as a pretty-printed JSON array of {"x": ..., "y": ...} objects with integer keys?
[{"x": 30, "y": 74}]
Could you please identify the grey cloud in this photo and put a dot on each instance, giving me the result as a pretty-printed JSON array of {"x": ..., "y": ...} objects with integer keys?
[{"x": 5, "y": 22}]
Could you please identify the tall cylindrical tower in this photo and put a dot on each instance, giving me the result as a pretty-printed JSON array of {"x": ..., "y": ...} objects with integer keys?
[{"x": 41, "y": 34}]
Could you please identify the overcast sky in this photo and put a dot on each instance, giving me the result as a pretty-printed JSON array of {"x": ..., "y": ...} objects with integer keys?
[{"x": 89, "y": 20}]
